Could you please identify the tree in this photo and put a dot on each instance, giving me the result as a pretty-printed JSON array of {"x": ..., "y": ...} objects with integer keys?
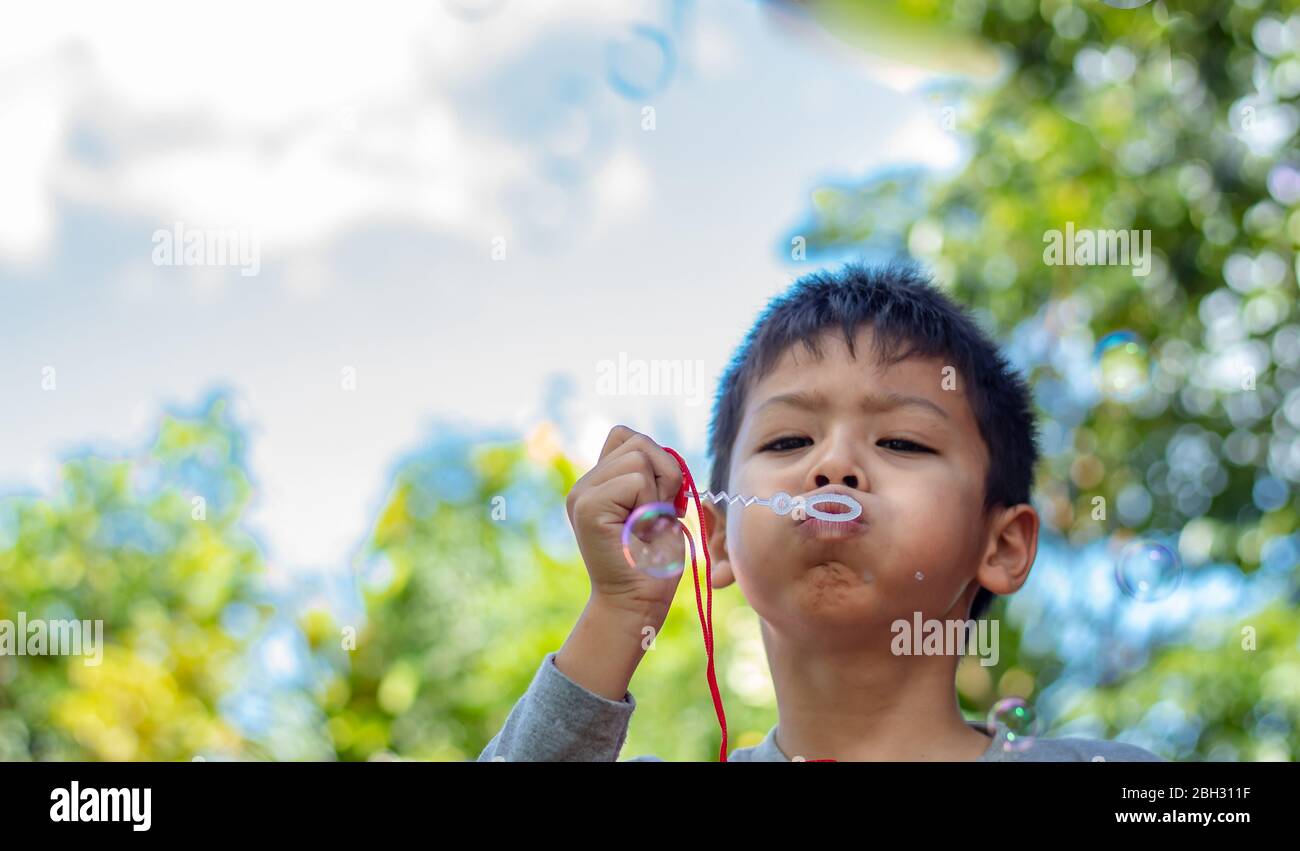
[
  {"x": 150, "y": 544},
  {"x": 470, "y": 577},
  {"x": 1170, "y": 400}
]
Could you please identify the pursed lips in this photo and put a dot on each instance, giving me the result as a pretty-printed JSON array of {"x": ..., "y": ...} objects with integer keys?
[
  {"x": 815, "y": 527},
  {"x": 829, "y": 507}
]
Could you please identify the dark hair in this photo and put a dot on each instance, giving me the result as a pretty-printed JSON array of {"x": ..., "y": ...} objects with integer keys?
[{"x": 910, "y": 317}]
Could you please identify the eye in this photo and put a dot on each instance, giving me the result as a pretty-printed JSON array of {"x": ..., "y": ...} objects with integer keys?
[
  {"x": 903, "y": 445},
  {"x": 781, "y": 444}
]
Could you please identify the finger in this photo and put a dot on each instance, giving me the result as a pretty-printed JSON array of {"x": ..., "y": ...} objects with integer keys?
[
  {"x": 667, "y": 472},
  {"x": 596, "y": 475},
  {"x": 618, "y": 435},
  {"x": 621, "y": 462},
  {"x": 626, "y": 491}
]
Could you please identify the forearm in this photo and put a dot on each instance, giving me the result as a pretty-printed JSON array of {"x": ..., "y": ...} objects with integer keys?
[{"x": 605, "y": 647}]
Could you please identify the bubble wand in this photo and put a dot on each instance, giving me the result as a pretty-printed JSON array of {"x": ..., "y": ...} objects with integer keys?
[{"x": 781, "y": 503}]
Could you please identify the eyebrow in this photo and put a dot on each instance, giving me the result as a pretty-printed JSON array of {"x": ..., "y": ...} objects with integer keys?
[{"x": 870, "y": 403}]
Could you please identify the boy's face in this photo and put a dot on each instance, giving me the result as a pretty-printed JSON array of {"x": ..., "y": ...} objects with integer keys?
[{"x": 898, "y": 442}]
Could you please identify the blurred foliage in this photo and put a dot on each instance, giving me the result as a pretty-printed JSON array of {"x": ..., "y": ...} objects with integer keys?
[
  {"x": 1239, "y": 701},
  {"x": 470, "y": 578},
  {"x": 150, "y": 545},
  {"x": 1153, "y": 119},
  {"x": 1179, "y": 119}
]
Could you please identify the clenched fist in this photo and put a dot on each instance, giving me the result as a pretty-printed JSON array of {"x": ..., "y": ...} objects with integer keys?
[{"x": 632, "y": 471}]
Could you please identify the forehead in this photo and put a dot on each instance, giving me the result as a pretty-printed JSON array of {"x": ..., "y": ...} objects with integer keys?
[{"x": 845, "y": 379}]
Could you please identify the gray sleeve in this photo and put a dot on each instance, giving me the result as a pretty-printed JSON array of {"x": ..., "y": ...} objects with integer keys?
[
  {"x": 1079, "y": 750},
  {"x": 1120, "y": 752},
  {"x": 558, "y": 720}
]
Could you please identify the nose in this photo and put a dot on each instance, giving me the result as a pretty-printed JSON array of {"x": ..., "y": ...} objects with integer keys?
[{"x": 839, "y": 467}]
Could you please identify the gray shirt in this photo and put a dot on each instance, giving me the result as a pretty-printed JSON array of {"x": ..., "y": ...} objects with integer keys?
[{"x": 558, "y": 720}]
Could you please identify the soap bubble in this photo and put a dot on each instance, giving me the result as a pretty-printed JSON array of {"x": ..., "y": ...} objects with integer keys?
[
  {"x": 641, "y": 64},
  {"x": 653, "y": 540},
  {"x": 1014, "y": 722},
  {"x": 1148, "y": 571},
  {"x": 1122, "y": 366}
]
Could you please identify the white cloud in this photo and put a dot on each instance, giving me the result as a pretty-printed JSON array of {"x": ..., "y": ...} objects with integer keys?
[
  {"x": 296, "y": 119},
  {"x": 31, "y": 126},
  {"x": 716, "y": 53},
  {"x": 623, "y": 184},
  {"x": 921, "y": 139}
]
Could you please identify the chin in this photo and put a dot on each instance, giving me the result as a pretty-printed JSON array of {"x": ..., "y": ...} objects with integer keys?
[{"x": 832, "y": 588}]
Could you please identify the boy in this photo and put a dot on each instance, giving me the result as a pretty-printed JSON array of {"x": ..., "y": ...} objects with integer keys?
[{"x": 871, "y": 383}]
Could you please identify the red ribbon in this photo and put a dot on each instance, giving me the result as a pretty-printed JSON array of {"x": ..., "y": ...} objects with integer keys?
[{"x": 706, "y": 624}]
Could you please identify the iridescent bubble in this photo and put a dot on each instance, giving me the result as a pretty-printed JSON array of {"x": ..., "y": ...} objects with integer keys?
[
  {"x": 567, "y": 132},
  {"x": 653, "y": 540},
  {"x": 1148, "y": 571},
  {"x": 641, "y": 64},
  {"x": 547, "y": 209},
  {"x": 1122, "y": 366},
  {"x": 1014, "y": 722}
]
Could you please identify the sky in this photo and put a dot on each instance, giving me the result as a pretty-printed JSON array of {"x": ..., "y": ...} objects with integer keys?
[{"x": 458, "y": 210}]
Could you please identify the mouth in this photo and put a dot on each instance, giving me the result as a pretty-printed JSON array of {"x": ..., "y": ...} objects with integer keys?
[
  {"x": 819, "y": 527},
  {"x": 829, "y": 530},
  {"x": 833, "y": 508},
  {"x": 828, "y": 502}
]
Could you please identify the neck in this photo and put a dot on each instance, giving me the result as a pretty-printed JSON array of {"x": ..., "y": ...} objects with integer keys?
[{"x": 854, "y": 703}]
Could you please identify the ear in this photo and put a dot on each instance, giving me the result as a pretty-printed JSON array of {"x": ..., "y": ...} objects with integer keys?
[
  {"x": 1012, "y": 546},
  {"x": 715, "y": 521}
]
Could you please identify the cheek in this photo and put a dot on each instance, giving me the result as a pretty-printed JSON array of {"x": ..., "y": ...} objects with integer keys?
[
  {"x": 755, "y": 539},
  {"x": 746, "y": 532},
  {"x": 933, "y": 523},
  {"x": 940, "y": 497}
]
